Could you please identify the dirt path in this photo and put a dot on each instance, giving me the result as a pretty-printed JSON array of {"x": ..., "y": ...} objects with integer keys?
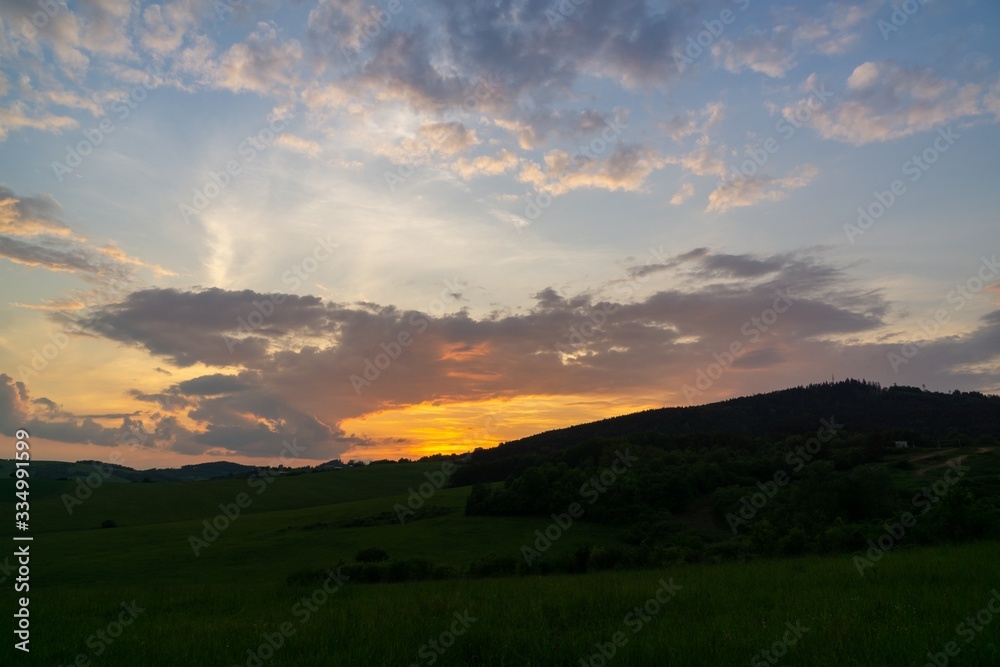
[
  {"x": 955, "y": 459},
  {"x": 936, "y": 452}
]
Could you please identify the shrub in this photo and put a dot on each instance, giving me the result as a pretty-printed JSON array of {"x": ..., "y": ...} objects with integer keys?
[
  {"x": 493, "y": 566},
  {"x": 413, "y": 569},
  {"x": 372, "y": 573},
  {"x": 372, "y": 555},
  {"x": 610, "y": 557}
]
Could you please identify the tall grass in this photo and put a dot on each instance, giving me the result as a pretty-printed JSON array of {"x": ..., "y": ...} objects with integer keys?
[{"x": 722, "y": 615}]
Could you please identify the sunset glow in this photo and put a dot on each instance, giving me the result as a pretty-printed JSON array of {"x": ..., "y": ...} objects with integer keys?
[{"x": 226, "y": 229}]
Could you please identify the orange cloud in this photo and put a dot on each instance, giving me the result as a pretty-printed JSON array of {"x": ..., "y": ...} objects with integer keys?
[{"x": 464, "y": 351}]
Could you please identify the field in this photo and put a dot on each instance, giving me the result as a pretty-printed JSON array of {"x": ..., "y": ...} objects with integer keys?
[{"x": 221, "y": 606}]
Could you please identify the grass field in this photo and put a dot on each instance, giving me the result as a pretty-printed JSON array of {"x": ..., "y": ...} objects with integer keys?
[{"x": 213, "y": 608}]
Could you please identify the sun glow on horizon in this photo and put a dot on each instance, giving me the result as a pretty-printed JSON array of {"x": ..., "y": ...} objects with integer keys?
[{"x": 452, "y": 428}]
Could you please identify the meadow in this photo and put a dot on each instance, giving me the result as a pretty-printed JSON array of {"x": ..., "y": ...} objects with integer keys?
[{"x": 233, "y": 605}]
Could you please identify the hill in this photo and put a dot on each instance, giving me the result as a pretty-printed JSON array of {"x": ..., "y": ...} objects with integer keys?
[
  {"x": 111, "y": 472},
  {"x": 884, "y": 414}
]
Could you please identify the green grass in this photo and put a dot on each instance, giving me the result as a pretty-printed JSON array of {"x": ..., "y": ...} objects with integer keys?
[
  {"x": 209, "y": 609},
  {"x": 723, "y": 615},
  {"x": 143, "y": 504}
]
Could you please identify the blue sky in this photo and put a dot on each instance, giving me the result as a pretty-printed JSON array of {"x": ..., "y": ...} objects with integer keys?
[{"x": 220, "y": 216}]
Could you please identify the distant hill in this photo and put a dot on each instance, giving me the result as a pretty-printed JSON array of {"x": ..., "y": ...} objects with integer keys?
[
  {"x": 200, "y": 471},
  {"x": 189, "y": 473},
  {"x": 904, "y": 413}
]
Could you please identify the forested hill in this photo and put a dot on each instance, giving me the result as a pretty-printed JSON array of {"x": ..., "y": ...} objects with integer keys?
[{"x": 897, "y": 413}]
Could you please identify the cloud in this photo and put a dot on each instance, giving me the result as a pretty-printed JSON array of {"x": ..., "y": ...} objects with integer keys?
[
  {"x": 257, "y": 423},
  {"x": 336, "y": 28},
  {"x": 682, "y": 195},
  {"x": 60, "y": 30},
  {"x": 739, "y": 266},
  {"x": 105, "y": 26},
  {"x": 485, "y": 165},
  {"x": 17, "y": 117},
  {"x": 298, "y": 144},
  {"x": 887, "y": 101},
  {"x": 702, "y": 160},
  {"x": 56, "y": 254},
  {"x": 758, "y": 51},
  {"x": 702, "y": 264},
  {"x": 208, "y": 326},
  {"x": 219, "y": 383},
  {"x": 261, "y": 64},
  {"x": 698, "y": 123},
  {"x": 447, "y": 139},
  {"x": 43, "y": 419},
  {"x": 54, "y": 305},
  {"x": 165, "y": 26},
  {"x": 863, "y": 77},
  {"x": 751, "y": 190},
  {"x": 834, "y": 30},
  {"x": 226, "y": 418},
  {"x": 626, "y": 168},
  {"x": 311, "y": 365},
  {"x": 506, "y": 67},
  {"x": 30, "y": 216},
  {"x": 31, "y": 234},
  {"x": 992, "y": 100}
]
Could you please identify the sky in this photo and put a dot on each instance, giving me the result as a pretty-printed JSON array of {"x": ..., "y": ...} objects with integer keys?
[{"x": 265, "y": 231}]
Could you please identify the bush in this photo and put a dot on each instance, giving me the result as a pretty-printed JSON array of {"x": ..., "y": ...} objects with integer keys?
[
  {"x": 372, "y": 555},
  {"x": 581, "y": 556},
  {"x": 413, "y": 569},
  {"x": 610, "y": 557},
  {"x": 794, "y": 543},
  {"x": 730, "y": 550},
  {"x": 109, "y": 523},
  {"x": 493, "y": 566},
  {"x": 372, "y": 573}
]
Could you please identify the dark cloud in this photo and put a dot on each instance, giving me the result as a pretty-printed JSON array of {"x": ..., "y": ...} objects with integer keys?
[
  {"x": 30, "y": 216},
  {"x": 311, "y": 365},
  {"x": 762, "y": 358},
  {"x": 31, "y": 234},
  {"x": 743, "y": 266},
  {"x": 213, "y": 385},
  {"x": 215, "y": 326},
  {"x": 167, "y": 402},
  {"x": 43, "y": 419},
  {"x": 57, "y": 254}
]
